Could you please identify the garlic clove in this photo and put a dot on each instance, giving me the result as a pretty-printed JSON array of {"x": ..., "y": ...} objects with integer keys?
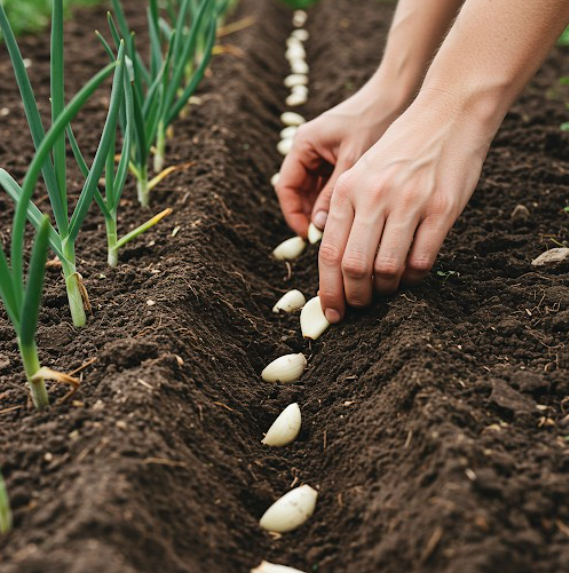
[
  {"x": 299, "y": 18},
  {"x": 289, "y": 132},
  {"x": 291, "y": 301},
  {"x": 287, "y": 368},
  {"x": 292, "y": 40},
  {"x": 290, "y": 249},
  {"x": 313, "y": 323},
  {"x": 284, "y": 146},
  {"x": 295, "y": 80},
  {"x": 285, "y": 428},
  {"x": 291, "y": 118},
  {"x": 302, "y": 90},
  {"x": 299, "y": 66},
  {"x": 296, "y": 99},
  {"x": 314, "y": 234},
  {"x": 295, "y": 53},
  {"x": 290, "y": 511},
  {"x": 301, "y": 34},
  {"x": 267, "y": 567},
  {"x": 275, "y": 179}
]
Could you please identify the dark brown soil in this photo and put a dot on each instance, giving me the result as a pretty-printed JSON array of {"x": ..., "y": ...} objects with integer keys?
[{"x": 433, "y": 424}]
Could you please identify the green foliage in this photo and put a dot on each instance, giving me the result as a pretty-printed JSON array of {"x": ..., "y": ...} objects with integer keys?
[
  {"x": 5, "y": 511},
  {"x": 30, "y": 16},
  {"x": 564, "y": 38}
]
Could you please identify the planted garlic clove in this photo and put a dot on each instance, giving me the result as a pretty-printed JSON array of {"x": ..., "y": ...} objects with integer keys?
[
  {"x": 284, "y": 146},
  {"x": 290, "y": 249},
  {"x": 300, "y": 34},
  {"x": 299, "y": 18},
  {"x": 291, "y": 301},
  {"x": 299, "y": 66},
  {"x": 291, "y": 118},
  {"x": 313, "y": 323},
  {"x": 300, "y": 90},
  {"x": 314, "y": 234},
  {"x": 291, "y": 511},
  {"x": 292, "y": 40},
  {"x": 275, "y": 179},
  {"x": 267, "y": 567},
  {"x": 289, "y": 132},
  {"x": 287, "y": 368},
  {"x": 296, "y": 99},
  {"x": 295, "y": 53},
  {"x": 295, "y": 80},
  {"x": 285, "y": 428}
]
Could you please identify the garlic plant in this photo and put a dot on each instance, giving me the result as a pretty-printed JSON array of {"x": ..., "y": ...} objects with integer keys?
[
  {"x": 290, "y": 249},
  {"x": 291, "y": 511},
  {"x": 314, "y": 234},
  {"x": 287, "y": 368},
  {"x": 285, "y": 428},
  {"x": 51, "y": 154},
  {"x": 313, "y": 323},
  {"x": 266, "y": 567},
  {"x": 289, "y": 302}
]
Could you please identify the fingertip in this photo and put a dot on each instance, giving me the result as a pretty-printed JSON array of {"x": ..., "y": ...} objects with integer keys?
[
  {"x": 319, "y": 219},
  {"x": 332, "y": 315}
]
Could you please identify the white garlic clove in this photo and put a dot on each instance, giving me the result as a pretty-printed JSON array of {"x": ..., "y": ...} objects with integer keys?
[
  {"x": 296, "y": 99},
  {"x": 298, "y": 66},
  {"x": 295, "y": 53},
  {"x": 285, "y": 428},
  {"x": 291, "y": 511},
  {"x": 289, "y": 132},
  {"x": 292, "y": 40},
  {"x": 284, "y": 146},
  {"x": 275, "y": 179},
  {"x": 301, "y": 90},
  {"x": 290, "y": 249},
  {"x": 267, "y": 567},
  {"x": 295, "y": 80},
  {"x": 291, "y": 301},
  {"x": 287, "y": 368},
  {"x": 313, "y": 323},
  {"x": 299, "y": 18},
  {"x": 300, "y": 34},
  {"x": 291, "y": 118},
  {"x": 314, "y": 234}
]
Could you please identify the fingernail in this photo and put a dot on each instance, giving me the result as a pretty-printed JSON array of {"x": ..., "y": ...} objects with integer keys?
[
  {"x": 320, "y": 219},
  {"x": 332, "y": 316}
]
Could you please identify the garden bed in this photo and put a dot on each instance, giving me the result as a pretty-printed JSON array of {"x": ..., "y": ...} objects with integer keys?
[{"x": 433, "y": 423}]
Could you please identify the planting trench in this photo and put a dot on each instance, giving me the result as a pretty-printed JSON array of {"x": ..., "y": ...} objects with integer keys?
[{"x": 433, "y": 423}]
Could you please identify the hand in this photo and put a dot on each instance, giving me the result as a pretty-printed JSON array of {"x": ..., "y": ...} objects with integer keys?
[
  {"x": 327, "y": 147},
  {"x": 391, "y": 212}
]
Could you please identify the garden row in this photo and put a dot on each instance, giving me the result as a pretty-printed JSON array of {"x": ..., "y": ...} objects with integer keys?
[{"x": 432, "y": 423}]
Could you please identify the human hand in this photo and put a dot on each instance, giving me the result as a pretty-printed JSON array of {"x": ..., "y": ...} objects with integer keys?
[
  {"x": 391, "y": 212},
  {"x": 328, "y": 146}
]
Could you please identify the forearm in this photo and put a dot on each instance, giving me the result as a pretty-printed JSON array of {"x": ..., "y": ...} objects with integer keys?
[
  {"x": 491, "y": 52},
  {"x": 417, "y": 31}
]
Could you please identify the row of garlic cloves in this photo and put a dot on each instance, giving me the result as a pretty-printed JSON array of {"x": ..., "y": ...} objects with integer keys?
[{"x": 294, "y": 508}]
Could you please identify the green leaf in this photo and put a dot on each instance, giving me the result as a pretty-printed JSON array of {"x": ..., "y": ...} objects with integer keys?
[
  {"x": 7, "y": 292},
  {"x": 107, "y": 138},
  {"x": 58, "y": 98},
  {"x": 34, "y": 286}
]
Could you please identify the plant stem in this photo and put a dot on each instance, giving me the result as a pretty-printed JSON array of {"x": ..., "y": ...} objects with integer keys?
[
  {"x": 142, "y": 187},
  {"x": 5, "y": 511},
  {"x": 113, "y": 250},
  {"x": 31, "y": 366},
  {"x": 160, "y": 148},
  {"x": 72, "y": 283}
]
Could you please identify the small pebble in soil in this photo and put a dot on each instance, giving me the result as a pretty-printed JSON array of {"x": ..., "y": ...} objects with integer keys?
[{"x": 551, "y": 257}]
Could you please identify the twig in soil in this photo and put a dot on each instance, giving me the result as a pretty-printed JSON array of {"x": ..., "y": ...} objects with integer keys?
[
  {"x": 222, "y": 405},
  {"x": 228, "y": 49},
  {"x": 434, "y": 540},
  {"x": 163, "y": 462},
  {"x": 236, "y": 26},
  {"x": 289, "y": 272},
  {"x": 562, "y": 527},
  {"x": 84, "y": 366},
  {"x": 325, "y": 440},
  {"x": 408, "y": 440},
  {"x": 11, "y": 409}
]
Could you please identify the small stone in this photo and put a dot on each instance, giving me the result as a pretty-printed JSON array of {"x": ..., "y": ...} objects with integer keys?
[
  {"x": 520, "y": 213},
  {"x": 551, "y": 257}
]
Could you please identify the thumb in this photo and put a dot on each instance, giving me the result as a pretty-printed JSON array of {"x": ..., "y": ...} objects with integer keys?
[{"x": 322, "y": 203}]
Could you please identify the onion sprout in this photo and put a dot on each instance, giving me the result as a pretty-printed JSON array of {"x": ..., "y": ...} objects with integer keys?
[{"x": 50, "y": 158}]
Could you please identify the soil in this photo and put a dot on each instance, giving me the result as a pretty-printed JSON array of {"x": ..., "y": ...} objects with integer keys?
[{"x": 434, "y": 423}]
